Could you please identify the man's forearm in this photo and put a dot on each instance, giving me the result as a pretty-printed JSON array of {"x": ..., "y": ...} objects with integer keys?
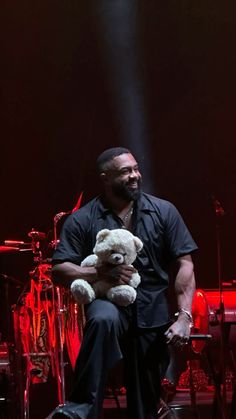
[
  {"x": 64, "y": 273},
  {"x": 180, "y": 330},
  {"x": 185, "y": 283}
]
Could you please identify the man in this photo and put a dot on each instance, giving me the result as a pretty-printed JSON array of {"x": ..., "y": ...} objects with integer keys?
[{"x": 141, "y": 331}]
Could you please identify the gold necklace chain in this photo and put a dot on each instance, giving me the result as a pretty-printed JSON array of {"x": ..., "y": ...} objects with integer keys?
[{"x": 127, "y": 215}]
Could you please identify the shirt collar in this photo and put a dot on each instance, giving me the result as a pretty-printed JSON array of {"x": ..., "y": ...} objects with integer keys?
[
  {"x": 142, "y": 204},
  {"x": 103, "y": 207}
]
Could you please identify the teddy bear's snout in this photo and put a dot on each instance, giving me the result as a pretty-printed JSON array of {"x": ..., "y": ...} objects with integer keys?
[{"x": 116, "y": 259}]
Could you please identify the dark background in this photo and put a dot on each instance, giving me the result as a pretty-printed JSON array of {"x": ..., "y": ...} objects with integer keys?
[{"x": 157, "y": 76}]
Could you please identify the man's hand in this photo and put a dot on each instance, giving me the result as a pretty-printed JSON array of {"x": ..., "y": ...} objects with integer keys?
[
  {"x": 116, "y": 275},
  {"x": 179, "y": 332}
]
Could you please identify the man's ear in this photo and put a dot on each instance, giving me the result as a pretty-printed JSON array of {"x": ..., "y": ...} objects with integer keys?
[{"x": 103, "y": 177}]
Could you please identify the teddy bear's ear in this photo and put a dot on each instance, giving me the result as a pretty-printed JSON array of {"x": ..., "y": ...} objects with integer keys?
[
  {"x": 138, "y": 244},
  {"x": 102, "y": 234}
]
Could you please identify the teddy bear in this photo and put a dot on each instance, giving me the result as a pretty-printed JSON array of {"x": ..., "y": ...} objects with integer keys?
[{"x": 114, "y": 247}]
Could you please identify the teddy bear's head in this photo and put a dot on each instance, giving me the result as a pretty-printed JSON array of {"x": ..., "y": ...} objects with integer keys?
[{"x": 117, "y": 246}]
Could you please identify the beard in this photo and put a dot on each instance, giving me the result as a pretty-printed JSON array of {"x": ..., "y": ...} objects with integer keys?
[{"x": 125, "y": 192}]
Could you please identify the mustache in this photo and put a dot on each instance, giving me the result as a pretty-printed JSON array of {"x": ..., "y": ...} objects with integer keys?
[{"x": 130, "y": 182}]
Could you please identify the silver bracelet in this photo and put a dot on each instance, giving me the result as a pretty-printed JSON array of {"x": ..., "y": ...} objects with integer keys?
[{"x": 187, "y": 314}]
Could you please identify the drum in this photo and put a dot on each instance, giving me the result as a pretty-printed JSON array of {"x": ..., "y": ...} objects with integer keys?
[
  {"x": 200, "y": 313},
  {"x": 229, "y": 326},
  {"x": 73, "y": 323},
  {"x": 206, "y": 318},
  {"x": 45, "y": 319},
  {"x": 213, "y": 300},
  {"x": 34, "y": 325}
]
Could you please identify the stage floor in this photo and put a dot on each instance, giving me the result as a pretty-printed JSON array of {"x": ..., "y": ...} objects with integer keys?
[
  {"x": 181, "y": 406},
  {"x": 42, "y": 404}
]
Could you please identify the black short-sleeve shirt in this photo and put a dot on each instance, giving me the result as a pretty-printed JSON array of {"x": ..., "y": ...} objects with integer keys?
[{"x": 165, "y": 238}]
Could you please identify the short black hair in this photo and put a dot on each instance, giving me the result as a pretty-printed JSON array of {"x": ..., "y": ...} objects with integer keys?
[{"x": 109, "y": 154}]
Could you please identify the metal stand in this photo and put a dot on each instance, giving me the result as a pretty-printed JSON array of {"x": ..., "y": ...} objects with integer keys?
[
  {"x": 4, "y": 379},
  {"x": 233, "y": 403},
  {"x": 54, "y": 353},
  {"x": 58, "y": 352},
  {"x": 60, "y": 372},
  {"x": 192, "y": 389},
  {"x": 220, "y": 379},
  {"x": 61, "y": 378},
  {"x": 8, "y": 388}
]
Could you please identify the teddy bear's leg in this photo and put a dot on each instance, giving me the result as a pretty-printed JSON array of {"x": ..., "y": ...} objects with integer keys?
[
  {"x": 122, "y": 295},
  {"x": 82, "y": 291}
]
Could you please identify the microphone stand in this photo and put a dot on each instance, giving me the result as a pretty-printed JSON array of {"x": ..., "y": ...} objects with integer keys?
[
  {"x": 60, "y": 313},
  {"x": 57, "y": 218},
  {"x": 219, "y": 213}
]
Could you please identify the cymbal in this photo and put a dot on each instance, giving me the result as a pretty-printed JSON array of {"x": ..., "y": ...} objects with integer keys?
[
  {"x": 36, "y": 235},
  {"x": 9, "y": 249}
]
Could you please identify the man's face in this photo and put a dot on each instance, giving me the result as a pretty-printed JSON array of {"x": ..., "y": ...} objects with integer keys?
[{"x": 123, "y": 177}]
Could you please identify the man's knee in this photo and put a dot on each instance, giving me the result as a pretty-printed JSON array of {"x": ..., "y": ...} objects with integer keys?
[{"x": 102, "y": 313}]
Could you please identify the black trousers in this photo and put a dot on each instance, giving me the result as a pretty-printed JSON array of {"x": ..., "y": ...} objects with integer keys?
[{"x": 110, "y": 334}]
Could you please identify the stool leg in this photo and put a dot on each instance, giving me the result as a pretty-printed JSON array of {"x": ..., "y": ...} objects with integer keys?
[
  {"x": 60, "y": 351},
  {"x": 26, "y": 395},
  {"x": 192, "y": 390},
  {"x": 233, "y": 403}
]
